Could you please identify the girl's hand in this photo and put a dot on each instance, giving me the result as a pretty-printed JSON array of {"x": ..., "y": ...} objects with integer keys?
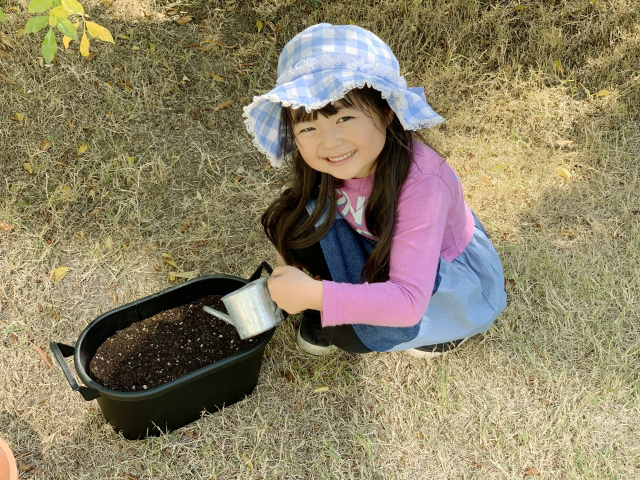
[{"x": 294, "y": 291}]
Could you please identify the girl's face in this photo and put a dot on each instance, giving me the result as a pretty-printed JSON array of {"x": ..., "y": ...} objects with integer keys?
[{"x": 344, "y": 145}]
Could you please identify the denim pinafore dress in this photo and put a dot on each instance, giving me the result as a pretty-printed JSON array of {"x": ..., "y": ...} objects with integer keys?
[{"x": 468, "y": 293}]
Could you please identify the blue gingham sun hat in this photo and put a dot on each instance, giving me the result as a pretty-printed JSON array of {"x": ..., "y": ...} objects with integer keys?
[{"x": 320, "y": 65}]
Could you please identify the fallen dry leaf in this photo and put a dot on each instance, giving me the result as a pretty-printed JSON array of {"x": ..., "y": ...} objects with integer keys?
[
  {"x": 28, "y": 167},
  {"x": 18, "y": 117},
  {"x": 183, "y": 20},
  {"x": 23, "y": 467},
  {"x": 320, "y": 389},
  {"x": 169, "y": 259},
  {"x": 563, "y": 172},
  {"x": 531, "y": 471},
  {"x": 82, "y": 148},
  {"x": 4, "y": 54},
  {"x": 59, "y": 273},
  {"x": 223, "y": 105},
  {"x": 187, "y": 275},
  {"x": 248, "y": 462},
  {"x": 45, "y": 145},
  {"x": 186, "y": 226},
  {"x": 299, "y": 406},
  {"x": 5, "y": 227},
  {"x": 43, "y": 356},
  {"x": 564, "y": 143}
]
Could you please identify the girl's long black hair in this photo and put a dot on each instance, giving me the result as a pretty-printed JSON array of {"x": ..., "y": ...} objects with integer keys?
[{"x": 391, "y": 170}]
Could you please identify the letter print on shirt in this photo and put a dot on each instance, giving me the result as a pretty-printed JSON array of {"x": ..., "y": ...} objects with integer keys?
[{"x": 345, "y": 208}]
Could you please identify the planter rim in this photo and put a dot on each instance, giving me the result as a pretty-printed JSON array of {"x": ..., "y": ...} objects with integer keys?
[
  {"x": 173, "y": 384},
  {"x": 6, "y": 452}
]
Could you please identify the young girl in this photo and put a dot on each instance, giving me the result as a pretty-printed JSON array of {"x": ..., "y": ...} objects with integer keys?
[{"x": 397, "y": 259}]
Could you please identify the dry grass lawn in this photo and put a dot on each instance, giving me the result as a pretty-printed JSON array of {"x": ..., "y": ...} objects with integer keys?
[{"x": 542, "y": 108}]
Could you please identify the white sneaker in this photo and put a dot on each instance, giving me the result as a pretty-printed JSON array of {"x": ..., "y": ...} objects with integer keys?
[{"x": 433, "y": 351}]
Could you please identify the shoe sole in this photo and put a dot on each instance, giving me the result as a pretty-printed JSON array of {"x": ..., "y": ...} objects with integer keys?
[
  {"x": 317, "y": 350},
  {"x": 415, "y": 353}
]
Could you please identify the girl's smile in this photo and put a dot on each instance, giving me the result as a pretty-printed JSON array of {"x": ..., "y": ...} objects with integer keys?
[
  {"x": 340, "y": 158},
  {"x": 345, "y": 145}
]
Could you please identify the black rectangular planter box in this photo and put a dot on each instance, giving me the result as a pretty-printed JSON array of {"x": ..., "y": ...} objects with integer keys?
[{"x": 181, "y": 401}]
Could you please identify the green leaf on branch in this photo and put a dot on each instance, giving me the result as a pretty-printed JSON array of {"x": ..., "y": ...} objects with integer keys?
[
  {"x": 67, "y": 28},
  {"x": 49, "y": 46},
  {"x": 2, "y": 17},
  {"x": 36, "y": 24},
  {"x": 73, "y": 6},
  {"x": 39, "y": 6}
]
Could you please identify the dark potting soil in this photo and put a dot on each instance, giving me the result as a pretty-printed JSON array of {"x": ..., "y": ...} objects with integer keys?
[{"x": 166, "y": 346}]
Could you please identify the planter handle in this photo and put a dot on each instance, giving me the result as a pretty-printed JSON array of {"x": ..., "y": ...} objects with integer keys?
[
  {"x": 60, "y": 350},
  {"x": 258, "y": 272}
]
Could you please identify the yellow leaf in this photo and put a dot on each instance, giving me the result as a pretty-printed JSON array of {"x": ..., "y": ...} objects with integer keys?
[
  {"x": 58, "y": 12},
  {"x": 82, "y": 148},
  {"x": 320, "y": 389},
  {"x": 259, "y": 25},
  {"x": 559, "y": 67},
  {"x": 152, "y": 48},
  {"x": 187, "y": 275},
  {"x": 246, "y": 459},
  {"x": 84, "y": 45},
  {"x": 66, "y": 41},
  {"x": 131, "y": 160},
  {"x": 73, "y": 6},
  {"x": 108, "y": 243},
  {"x": 99, "y": 31},
  {"x": 28, "y": 167},
  {"x": 169, "y": 259},
  {"x": 216, "y": 77},
  {"x": 53, "y": 20},
  {"x": 603, "y": 93},
  {"x": 5, "y": 227},
  {"x": 59, "y": 273},
  {"x": 563, "y": 172}
]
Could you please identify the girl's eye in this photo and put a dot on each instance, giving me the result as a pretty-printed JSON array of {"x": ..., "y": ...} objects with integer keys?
[
  {"x": 308, "y": 129},
  {"x": 344, "y": 119}
]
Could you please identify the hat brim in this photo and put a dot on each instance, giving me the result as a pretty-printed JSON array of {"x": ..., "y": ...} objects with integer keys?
[{"x": 263, "y": 117}]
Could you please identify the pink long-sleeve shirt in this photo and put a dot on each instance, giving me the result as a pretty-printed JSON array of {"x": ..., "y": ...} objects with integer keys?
[{"x": 433, "y": 221}]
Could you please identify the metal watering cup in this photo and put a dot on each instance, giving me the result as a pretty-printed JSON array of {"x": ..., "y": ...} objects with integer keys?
[{"x": 251, "y": 309}]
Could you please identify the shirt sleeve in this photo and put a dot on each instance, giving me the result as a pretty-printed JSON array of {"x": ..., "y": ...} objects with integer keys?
[{"x": 415, "y": 250}]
